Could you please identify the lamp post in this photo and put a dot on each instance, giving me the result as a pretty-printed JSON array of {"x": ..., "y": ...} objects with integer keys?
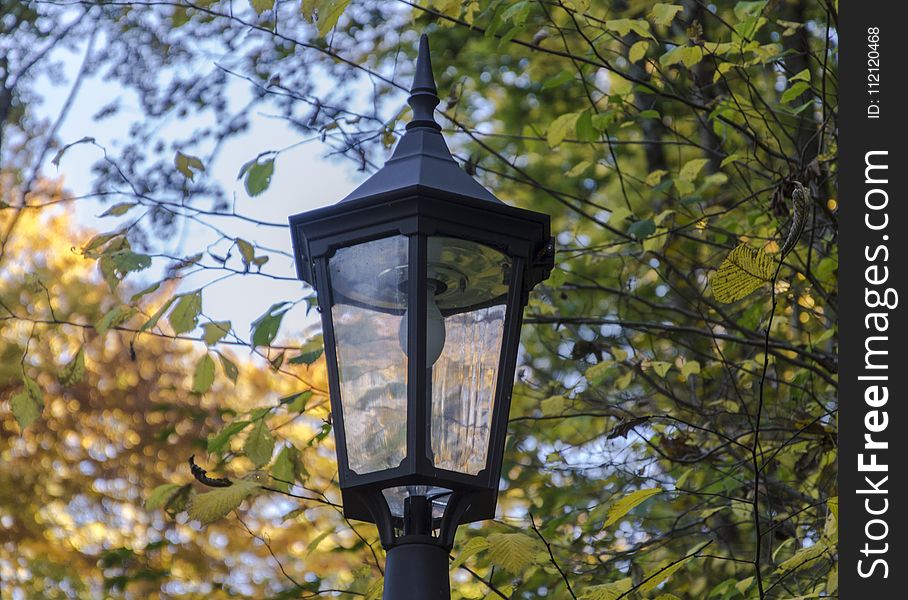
[{"x": 422, "y": 276}]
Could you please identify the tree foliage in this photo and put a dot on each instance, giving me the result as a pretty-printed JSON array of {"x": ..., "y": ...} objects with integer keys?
[{"x": 673, "y": 425}]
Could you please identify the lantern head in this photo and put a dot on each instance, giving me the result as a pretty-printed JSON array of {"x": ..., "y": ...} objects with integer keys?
[{"x": 422, "y": 276}]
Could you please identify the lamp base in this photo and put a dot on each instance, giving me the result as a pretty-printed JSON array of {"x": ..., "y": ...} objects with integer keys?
[{"x": 416, "y": 571}]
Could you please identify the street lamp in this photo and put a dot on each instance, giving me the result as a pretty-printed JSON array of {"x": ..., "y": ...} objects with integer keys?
[{"x": 422, "y": 276}]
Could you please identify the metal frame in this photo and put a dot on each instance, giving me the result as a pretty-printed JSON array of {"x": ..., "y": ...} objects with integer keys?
[{"x": 419, "y": 218}]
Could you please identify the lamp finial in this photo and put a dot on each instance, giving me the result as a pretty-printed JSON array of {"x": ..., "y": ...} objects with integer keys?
[{"x": 423, "y": 94}]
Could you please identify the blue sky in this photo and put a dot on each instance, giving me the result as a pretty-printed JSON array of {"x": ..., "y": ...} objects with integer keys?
[{"x": 303, "y": 179}]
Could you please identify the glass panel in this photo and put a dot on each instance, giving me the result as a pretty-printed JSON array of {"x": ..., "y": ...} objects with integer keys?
[
  {"x": 368, "y": 283},
  {"x": 472, "y": 283}
]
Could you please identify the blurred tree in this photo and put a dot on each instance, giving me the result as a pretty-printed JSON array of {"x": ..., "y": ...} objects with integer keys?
[{"x": 673, "y": 430}]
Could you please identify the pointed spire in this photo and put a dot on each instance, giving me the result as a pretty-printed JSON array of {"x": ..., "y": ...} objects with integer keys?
[{"x": 423, "y": 94}]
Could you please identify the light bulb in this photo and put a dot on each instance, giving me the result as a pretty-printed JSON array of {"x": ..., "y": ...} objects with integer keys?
[{"x": 435, "y": 329}]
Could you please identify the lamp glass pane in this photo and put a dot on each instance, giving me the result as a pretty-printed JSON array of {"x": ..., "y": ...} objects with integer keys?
[
  {"x": 368, "y": 284},
  {"x": 471, "y": 293}
]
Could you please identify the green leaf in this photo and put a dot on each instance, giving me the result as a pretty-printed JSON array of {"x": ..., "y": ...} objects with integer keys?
[
  {"x": 74, "y": 371},
  {"x": 188, "y": 165},
  {"x": 258, "y": 177},
  {"x": 559, "y": 79},
  {"x": 579, "y": 168},
  {"x": 692, "y": 168},
  {"x": 584, "y": 127},
  {"x": 25, "y": 409},
  {"x": 297, "y": 402},
  {"x": 185, "y": 315},
  {"x": 204, "y": 375},
  {"x": 217, "y": 442},
  {"x": 664, "y": 14},
  {"x": 114, "y": 318},
  {"x": 734, "y": 157},
  {"x": 309, "y": 353},
  {"x": 259, "y": 444},
  {"x": 792, "y": 93},
  {"x": 618, "y": 214},
  {"x": 470, "y": 549},
  {"x": 214, "y": 331},
  {"x": 144, "y": 292},
  {"x": 661, "y": 367},
  {"x": 118, "y": 210},
  {"x": 161, "y": 495},
  {"x": 153, "y": 320},
  {"x": 637, "y": 51},
  {"x": 230, "y": 369},
  {"x": 627, "y": 503},
  {"x": 686, "y": 55},
  {"x": 607, "y": 591},
  {"x": 118, "y": 261},
  {"x": 744, "y": 270},
  {"x": 561, "y": 127},
  {"x": 625, "y": 26},
  {"x": 690, "y": 367},
  {"x": 264, "y": 329},
  {"x": 329, "y": 11},
  {"x": 655, "y": 578},
  {"x": 804, "y": 557},
  {"x": 247, "y": 251},
  {"x": 216, "y": 504},
  {"x": 833, "y": 504},
  {"x": 642, "y": 229},
  {"x": 602, "y": 120},
  {"x": 748, "y": 9},
  {"x": 802, "y": 76},
  {"x": 282, "y": 470},
  {"x": 260, "y": 6},
  {"x": 513, "y": 552},
  {"x": 596, "y": 373}
]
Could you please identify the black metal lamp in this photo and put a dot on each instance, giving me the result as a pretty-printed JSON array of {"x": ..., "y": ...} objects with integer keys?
[{"x": 422, "y": 276}]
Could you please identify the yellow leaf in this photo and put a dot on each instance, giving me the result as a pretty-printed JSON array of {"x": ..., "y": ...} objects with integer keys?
[
  {"x": 625, "y": 26},
  {"x": 833, "y": 504},
  {"x": 470, "y": 549},
  {"x": 664, "y": 14},
  {"x": 329, "y": 11},
  {"x": 627, "y": 503},
  {"x": 579, "y": 168},
  {"x": 513, "y": 552},
  {"x": 216, "y": 504},
  {"x": 553, "y": 405},
  {"x": 260, "y": 6},
  {"x": 692, "y": 168},
  {"x": 661, "y": 367},
  {"x": 804, "y": 557},
  {"x": 607, "y": 591},
  {"x": 655, "y": 177},
  {"x": 690, "y": 367},
  {"x": 618, "y": 214},
  {"x": 637, "y": 51},
  {"x": 744, "y": 270},
  {"x": 624, "y": 381},
  {"x": 560, "y": 127}
]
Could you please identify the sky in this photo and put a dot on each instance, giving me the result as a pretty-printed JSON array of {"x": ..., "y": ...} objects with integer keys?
[{"x": 303, "y": 179}]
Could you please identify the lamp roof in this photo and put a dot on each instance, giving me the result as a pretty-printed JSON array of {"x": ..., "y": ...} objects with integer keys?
[{"x": 422, "y": 160}]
